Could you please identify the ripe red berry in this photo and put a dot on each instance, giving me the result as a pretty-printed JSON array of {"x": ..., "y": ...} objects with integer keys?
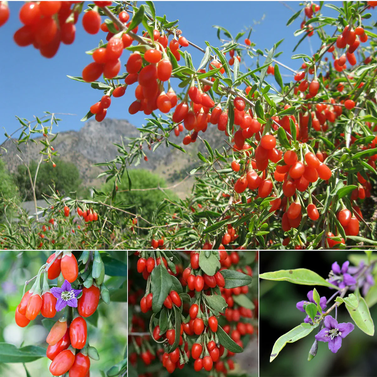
[
  {"x": 152, "y": 56},
  {"x": 213, "y": 323},
  {"x": 91, "y": 22},
  {"x": 349, "y": 104}
]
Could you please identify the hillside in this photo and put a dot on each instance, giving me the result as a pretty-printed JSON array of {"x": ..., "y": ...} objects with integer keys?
[{"x": 95, "y": 143}]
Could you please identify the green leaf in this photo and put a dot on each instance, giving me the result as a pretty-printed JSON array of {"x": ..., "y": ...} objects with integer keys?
[
  {"x": 110, "y": 25},
  {"x": 215, "y": 226},
  {"x": 244, "y": 301},
  {"x": 289, "y": 111},
  {"x": 136, "y": 19},
  {"x": 294, "y": 17},
  {"x": 216, "y": 302},
  {"x": 9, "y": 353},
  {"x": 48, "y": 323},
  {"x": 300, "y": 41},
  {"x": 301, "y": 276},
  {"x": 344, "y": 191},
  {"x": 293, "y": 130},
  {"x": 226, "y": 32},
  {"x": 176, "y": 285},
  {"x": 176, "y": 146},
  {"x": 163, "y": 321},
  {"x": 206, "y": 57},
  {"x": 292, "y": 336},
  {"x": 371, "y": 297},
  {"x": 311, "y": 310},
  {"x": 234, "y": 279},
  {"x": 227, "y": 341},
  {"x": 76, "y": 78},
  {"x": 361, "y": 317},
  {"x": 114, "y": 267},
  {"x": 278, "y": 77},
  {"x": 236, "y": 69},
  {"x": 328, "y": 143},
  {"x": 87, "y": 116},
  {"x": 209, "y": 148},
  {"x": 282, "y": 136},
  {"x": 259, "y": 110},
  {"x": 161, "y": 286},
  {"x": 267, "y": 61},
  {"x": 317, "y": 299},
  {"x": 178, "y": 321},
  {"x": 209, "y": 265},
  {"x": 152, "y": 8},
  {"x": 362, "y": 239},
  {"x": 367, "y": 32},
  {"x": 367, "y": 153}
]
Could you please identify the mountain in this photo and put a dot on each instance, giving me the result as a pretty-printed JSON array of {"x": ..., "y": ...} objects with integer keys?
[{"x": 94, "y": 143}]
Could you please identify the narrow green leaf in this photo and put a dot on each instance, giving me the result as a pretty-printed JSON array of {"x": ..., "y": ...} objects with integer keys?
[
  {"x": 282, "y": 136},
  {"x": 278, "y": 77},
  {"x": 344, "y": 191},
  {"x": 206, "y": 57},
  {"x": 226, "y": 341},
  {"x": 9, "y": 353},
  {"x": 301, "y": 276},
  {"x": 294, "y": 17},
  {"x": 136, "y": 19},
  {"x": 291, "y": 336}
]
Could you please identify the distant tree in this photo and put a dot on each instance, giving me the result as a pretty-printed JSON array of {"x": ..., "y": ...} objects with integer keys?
[
  {"x": 8, "y": 188},
  {"x": 143, "y": 203},
  {"x": 64, "y": 178}
]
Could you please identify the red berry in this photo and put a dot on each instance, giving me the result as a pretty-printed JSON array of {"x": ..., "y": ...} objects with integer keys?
[{"x": 91, "y": 22}]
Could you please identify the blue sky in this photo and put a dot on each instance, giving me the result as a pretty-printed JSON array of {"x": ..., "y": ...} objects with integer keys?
[{"x": 32, "y": 84}]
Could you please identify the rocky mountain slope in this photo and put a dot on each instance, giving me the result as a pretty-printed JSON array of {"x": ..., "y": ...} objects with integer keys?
[{"x": 94, "y": 143}]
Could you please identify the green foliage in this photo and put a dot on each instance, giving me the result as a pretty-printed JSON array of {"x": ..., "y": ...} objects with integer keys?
[
  {"x": 8, "y": 189},
  {"x": 137, "y": 200},
  {"x": 65, "y": 178}
]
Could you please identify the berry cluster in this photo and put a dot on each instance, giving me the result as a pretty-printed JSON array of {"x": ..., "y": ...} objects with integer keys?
[
  {"x": 201, "y": 327},
  {"x": 67, "y": 339}
]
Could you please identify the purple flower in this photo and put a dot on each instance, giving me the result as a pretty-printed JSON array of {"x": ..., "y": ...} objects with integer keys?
[
  {"x": 300, "y": 305},
  {"x": 66, "y": 295},
  {"x": 340, "y": 277},
  {"x": 334, "y": 332},
  {"x": 366, "y": 280}
]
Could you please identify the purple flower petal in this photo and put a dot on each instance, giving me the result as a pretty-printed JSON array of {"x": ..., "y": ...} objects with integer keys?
[
  {"x": 77, "y": 292},
  {"x": 300, "y": 306},
  {"x": 342, "y": 285},
  {"x": 330, "y": 322},
  {"x": 60, "y": 304},
  {"x": 310, "y": 296},
  {"x": 322, "y": 335},
  {"x": 336, "y": 268},
  {"x": 308, "y": 320},
  {"x": 323, "y": 302},
  {"x": 345, "y": 267},
  {"x": 348, "y": 279},
  {"x": 345, "y": 329},
  {"x": 370, "y": 280},
  {"x": 56, "y": 292},
  {"x": 335, "y": 344},
  {"x": 66, "y": 286},
  {"x": 72, "y": 303}
]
